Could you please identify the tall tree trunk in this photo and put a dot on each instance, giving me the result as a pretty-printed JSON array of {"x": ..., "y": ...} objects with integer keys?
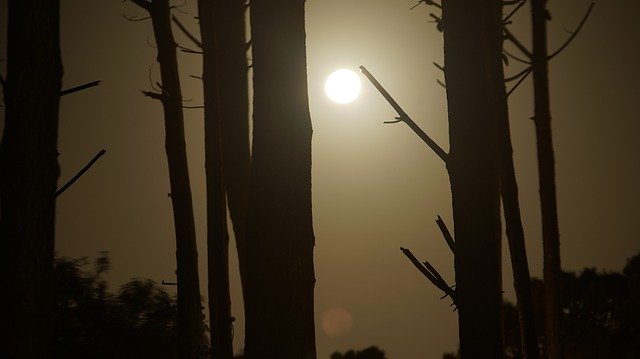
[
  {"x": 29, "y": 172},
  {"x": 280, "y": 240},
  {"x": 189, "y": 307},
  {"x": 472, "y": 48},
  {"x": 546, "y": 177},
  {"x": 515, "y": 232},
  {"x": 217, "y": 234},
  {"x": 233, "y": 108}
]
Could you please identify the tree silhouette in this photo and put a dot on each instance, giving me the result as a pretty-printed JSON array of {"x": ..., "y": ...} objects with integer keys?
[
  {"x": 473, "y": 67},
  {"x": 217, "y": 234},
  {"x": 189, "y": 307},
  {"x": 279, "y": 243},
  {"x": 29, "y": 173}
]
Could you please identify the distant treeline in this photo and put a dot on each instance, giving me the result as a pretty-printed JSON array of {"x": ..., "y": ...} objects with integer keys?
[
  {"x": 600, "y": 315},
  {"x": 137, "y": 321}
]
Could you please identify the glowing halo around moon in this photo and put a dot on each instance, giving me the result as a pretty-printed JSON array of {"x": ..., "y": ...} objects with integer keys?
[{"x": 342, "y": 86}]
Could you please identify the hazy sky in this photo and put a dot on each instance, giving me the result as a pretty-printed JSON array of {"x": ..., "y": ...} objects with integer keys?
[{"x": 375, "y": 187}]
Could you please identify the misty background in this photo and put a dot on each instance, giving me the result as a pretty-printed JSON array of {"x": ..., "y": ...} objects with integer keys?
[{"x": 375, "y": 187}]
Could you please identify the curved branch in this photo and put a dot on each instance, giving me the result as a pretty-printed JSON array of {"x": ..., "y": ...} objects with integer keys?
[
  {"x": 186, "y": 32},
  {"x": 573, "y": 34},
  {"x": 516, "y": 57},
  {"x": 513, "y": 12},
  {"x": 515, "y": 41},
  {"x": 519, "y": 81},
  {"x": 517, "y": 76}
]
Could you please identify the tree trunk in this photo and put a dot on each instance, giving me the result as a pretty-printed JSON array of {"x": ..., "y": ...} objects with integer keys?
[
  {"x": 546, "y": 177},
  {"x": 217, "y": 234},
  {"x": 233, "y": 108},
  {"x": 515, "y": 233},
  {"x": 280, "y": 240},
  {"x": 472, "y": 48},
  {"x": 189, "y": 306},
  {"x": 28, "y": 176}
]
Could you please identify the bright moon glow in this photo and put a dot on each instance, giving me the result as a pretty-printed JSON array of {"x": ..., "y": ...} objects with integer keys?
[
  {"x": 342, "y": 86},
  {"x": 336, "y": 322}
]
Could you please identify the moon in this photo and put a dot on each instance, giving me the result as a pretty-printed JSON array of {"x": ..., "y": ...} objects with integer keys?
[{"x": 342, "y": 86}]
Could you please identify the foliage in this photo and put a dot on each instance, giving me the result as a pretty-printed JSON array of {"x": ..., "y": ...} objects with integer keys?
[
  {"x": 137, "y": 321},
  {"x": 600, "y": 314},
  {"x": 369, "y": 353}
]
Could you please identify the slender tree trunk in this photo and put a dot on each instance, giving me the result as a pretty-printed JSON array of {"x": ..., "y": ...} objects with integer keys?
[
  {"x": 233, "y": 109},
  {"x": 190, "y": 331},
  {"x": 280, "y": 240},
  {"x": 515, "y": 232},
  {"x": 472, "y": 48},
  {"x": 28, "y": 177},
  {"x": 546, "y": 176},
  {"x": 217, "y": 234}
]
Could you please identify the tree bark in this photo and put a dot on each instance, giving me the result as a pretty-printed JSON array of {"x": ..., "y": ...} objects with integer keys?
[
  {"x": 472, "y": 48},
  {"x": 29, "y": 173},
  {"x": 280, "y": 240},
  {"x": 233, "y": 106},
  {"x": 546, "y": 177},
  {"x": 515, "y": 233},
  {"x": 190, "y": 331},
  {"x": 217, "y": 234}
]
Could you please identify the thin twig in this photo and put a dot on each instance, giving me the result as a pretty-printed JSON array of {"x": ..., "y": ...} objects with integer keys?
[
  {"x": 516, "y": 57},
  {"x": 517, "y": 76},
  {"x": 446, "y": 234},
  {"x": 427, "y": 2},
  {"x": 574, "y": 33},
  {"x": 81, "y": 172},
  {"x": 440, "y": 67},
  {"x": 79, "y": 88},
  {"x": 511, "y": 37},
  {"x": 186, "y": 32},
  {"x": 513, "y": 12},
  {"x": 404, "y": 117},
  {"x": 519, "y": 82}
]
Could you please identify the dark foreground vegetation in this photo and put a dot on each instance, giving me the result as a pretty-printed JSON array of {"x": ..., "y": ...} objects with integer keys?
[{"x": 600, "y": 315}]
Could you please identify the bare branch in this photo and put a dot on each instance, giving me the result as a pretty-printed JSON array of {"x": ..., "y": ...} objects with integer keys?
[
  {"x": 440, "y": 67},
  {"x": 153, "y": 95},
  {"x": 517, "y": 76},
  {"x": 427, "y": 2},
  {"x": 524, "y": 76},
  {"x": 135, "y": 18},
  {"x": 81, "y": 172},
  {"x": 513, "y": 12},
  {"x": 515, "y": 41},
  {"x": 441, "y": 83},
  {"x": 431, "y": 274},
  {"x": 80, "y": 88},
  {"x": 404, "y": 117},
  {"x": 574, "y": 33},
  {"x": 516, "y": 57},
  {"x": 188, "y": 50},
  {"x": 196, "y": 77},
  {"x": 446, "y": 234},
  {"x": 437, "y": 20},
  {"x": 186, "y": 32}
]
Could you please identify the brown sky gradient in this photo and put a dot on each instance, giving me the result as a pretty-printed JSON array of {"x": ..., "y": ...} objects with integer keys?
[{"x": 375, "y": 187}]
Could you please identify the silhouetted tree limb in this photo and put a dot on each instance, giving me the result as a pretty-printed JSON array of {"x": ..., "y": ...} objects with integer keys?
[
  {"x": 514, "y": 40},
  {"x": 446, "y": 234},
  {"x": 81, "y": 172},
  {"x": 522, "y": 78},
  {"x": 186, "y": 32},
  {"x": 519, "y": 59},
  {"x": 573, "y": 33},
  {"x": 513, "y": 12},
  {"x": 402, "y": 116},
  {"x": 431, "y": 274},
  {"x": 80, "y": 88}
]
